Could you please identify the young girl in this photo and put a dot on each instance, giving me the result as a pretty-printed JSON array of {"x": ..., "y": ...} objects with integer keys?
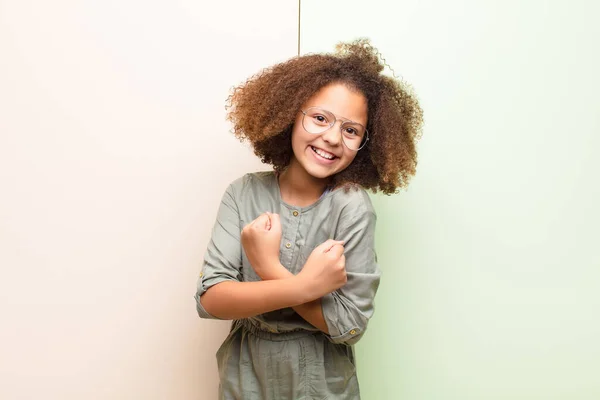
[{"x": 292, "y": 257}]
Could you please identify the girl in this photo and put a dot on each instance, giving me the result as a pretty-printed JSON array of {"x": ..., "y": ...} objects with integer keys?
[{"x": 292, "y": 258}]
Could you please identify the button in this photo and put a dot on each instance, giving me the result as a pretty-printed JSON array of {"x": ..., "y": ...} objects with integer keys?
[
  {"x": 353, "y": 332},
  {"x": 288, "y": 245},
  {"x": 295, "y": 213},
  {"x": 201, "y": 274}
]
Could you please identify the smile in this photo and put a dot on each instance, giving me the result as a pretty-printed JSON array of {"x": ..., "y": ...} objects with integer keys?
[{"x": 326, "y": 155}]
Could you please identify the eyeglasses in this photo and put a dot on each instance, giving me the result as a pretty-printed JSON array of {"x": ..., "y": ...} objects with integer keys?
[{"x": 316, "y": 121}]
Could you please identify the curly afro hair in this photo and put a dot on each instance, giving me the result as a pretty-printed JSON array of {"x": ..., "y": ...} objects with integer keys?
[{"x": 264, "y": 108}]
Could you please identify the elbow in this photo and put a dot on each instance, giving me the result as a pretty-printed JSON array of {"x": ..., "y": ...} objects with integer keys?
[
  {"x": 204, "y": 312},
  {"x": 209, "y": 301}
]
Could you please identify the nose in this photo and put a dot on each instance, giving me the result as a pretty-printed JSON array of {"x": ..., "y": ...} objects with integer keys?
[{"x": 333, "y": 135}]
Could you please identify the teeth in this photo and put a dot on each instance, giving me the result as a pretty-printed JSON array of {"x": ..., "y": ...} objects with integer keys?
[{"x": 323, "y": 154}]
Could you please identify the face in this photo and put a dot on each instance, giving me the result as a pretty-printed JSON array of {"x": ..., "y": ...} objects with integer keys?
[{"x": 324, "y": 155}]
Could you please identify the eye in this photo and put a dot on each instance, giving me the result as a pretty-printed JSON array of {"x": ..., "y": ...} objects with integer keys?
[
  {"x": 321, "y": 119},
  {"x": 351, "y": 131}
]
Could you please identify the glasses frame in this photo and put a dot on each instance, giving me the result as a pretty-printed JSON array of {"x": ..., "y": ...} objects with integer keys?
[{"x": 332, "y": 124}]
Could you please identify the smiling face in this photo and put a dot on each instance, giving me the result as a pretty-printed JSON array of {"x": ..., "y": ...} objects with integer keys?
[{"x": 324, "y": 155}]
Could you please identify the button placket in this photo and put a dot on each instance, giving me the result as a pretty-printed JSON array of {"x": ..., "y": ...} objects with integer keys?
[{"x": 289, "y": 237}]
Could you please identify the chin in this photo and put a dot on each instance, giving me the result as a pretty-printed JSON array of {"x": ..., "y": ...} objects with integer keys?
[
  {"x": 321, "y": 175},
  {"x": 318, "y": 172}
]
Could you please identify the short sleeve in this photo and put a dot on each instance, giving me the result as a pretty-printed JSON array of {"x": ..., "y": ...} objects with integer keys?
[
  {"x": 223, "y": 256},
  {"x": 347, "y": 310}
]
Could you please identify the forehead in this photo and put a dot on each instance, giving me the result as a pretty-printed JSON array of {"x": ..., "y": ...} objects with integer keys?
[{"x": 342, "y": 101}]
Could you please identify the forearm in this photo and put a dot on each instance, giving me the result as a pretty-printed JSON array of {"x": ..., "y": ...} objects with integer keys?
[
  {"x": 236, "y": 300},
  {"x": 311, "y": 311}
]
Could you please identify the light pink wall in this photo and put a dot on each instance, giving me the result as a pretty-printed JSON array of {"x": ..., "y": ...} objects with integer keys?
[{"x": 114, "y": 153}]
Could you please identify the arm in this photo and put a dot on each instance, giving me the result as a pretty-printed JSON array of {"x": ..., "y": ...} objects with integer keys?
[
  {"x": 221, "y": 293},
  {"x": 311, "y": 311},
  {"x": 235, "y": 300},
  {"x": 343, "y": 314},
  {"x": 347, "y": 310},
  {"x": 280, "y": 289}
]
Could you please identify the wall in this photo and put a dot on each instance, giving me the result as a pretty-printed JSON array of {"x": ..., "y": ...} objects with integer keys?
[
  {"x": 490, "y": 259},
  {"x": 114, "y": 153}
]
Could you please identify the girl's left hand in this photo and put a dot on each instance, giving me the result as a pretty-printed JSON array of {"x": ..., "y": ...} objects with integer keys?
[{"x": 261, "y": 240}]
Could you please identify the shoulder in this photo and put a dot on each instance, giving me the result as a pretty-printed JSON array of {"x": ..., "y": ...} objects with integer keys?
[
  {"x": 352, "y": 199},
  {"x": 352, "y": 210},
  {"x": 252, "y": 181},
  {"x": 352, "y": 207}
]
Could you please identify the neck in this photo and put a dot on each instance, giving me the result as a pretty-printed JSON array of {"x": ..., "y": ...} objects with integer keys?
[{"x": 298, "y": 187}]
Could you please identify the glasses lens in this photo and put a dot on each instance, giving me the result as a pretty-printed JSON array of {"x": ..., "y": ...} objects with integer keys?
[
  {"x": 353, "y": 135},
  {"x": 317, "y": 121}
]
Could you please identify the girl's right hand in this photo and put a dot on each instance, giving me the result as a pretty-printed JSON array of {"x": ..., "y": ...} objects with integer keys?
[{"x": 325, "y": 269}]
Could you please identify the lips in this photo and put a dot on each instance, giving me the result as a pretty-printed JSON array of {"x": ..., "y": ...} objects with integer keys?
[{"x": 323, "y": 154}]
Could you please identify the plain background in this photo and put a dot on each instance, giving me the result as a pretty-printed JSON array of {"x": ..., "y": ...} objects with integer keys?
[
  {"x": 491, "y": 264},
  {"x": 114, "y": 154}
]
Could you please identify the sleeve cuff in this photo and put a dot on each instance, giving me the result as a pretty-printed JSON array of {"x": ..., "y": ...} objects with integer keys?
[
  {"x": 201, "y": 311},
  {"x": 349, "y": 338},
  {"x": 338, "y": 333},
  {"x": 201, "y": 289}
]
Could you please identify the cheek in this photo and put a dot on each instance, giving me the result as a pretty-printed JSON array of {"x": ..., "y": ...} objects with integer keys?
[
  {"x": 349, "y": 157},
  {"x": 299, "y": 136},
  {"x": 298, "y": 142}
]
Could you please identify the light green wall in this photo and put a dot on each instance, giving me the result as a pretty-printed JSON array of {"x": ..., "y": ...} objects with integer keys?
[{"x": 491, "y": 259}]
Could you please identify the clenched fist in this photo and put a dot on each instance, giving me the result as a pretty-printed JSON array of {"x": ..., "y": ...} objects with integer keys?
[
  {"x": 325, "y": 269},
  {"x": 261, "y": 240}
]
